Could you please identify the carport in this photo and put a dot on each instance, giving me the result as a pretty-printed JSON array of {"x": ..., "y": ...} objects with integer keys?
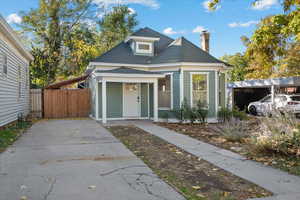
[{"x": 241, "y": 93}]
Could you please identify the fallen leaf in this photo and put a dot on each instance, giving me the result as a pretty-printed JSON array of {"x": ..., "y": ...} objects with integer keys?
[{"x": 196, "y": 187}]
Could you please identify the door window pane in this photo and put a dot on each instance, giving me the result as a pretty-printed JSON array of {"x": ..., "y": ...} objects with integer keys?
[
  {"x": 199, "y": 89},
  {"x": 164, "y": 92}
]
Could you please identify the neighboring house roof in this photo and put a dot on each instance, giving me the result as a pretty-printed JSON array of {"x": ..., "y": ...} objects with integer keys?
[
  {"x": 125, "y": 70},
  {"x": 167, "y": 50},
  {"x": 66, "y": 82},
  {"x": 14, "y": 38}
]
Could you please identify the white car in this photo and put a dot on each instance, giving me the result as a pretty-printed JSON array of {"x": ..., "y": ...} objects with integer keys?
[{"x": 281, "y": 101}]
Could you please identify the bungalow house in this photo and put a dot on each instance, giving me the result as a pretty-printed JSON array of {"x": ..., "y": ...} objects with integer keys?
[
  {"x": 14, "y": 75},
  {"x": 149, "y": 74}
]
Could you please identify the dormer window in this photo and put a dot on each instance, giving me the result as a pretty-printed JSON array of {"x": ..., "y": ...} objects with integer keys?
[{"x": 144, "y": 47}]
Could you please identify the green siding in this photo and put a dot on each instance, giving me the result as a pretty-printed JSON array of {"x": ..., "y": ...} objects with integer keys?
[
  {"x": 176, "y": 90},
  {"x": 211, "y": 91},
  {"x": 100, "y": 99},
  {"x": 144, "y": 100},
  {"x": 212, "y": 94},
  {"x": 151, "y": 99},
  {"x": 222, "y": 90},
  {"x": 114, "y": 93}
]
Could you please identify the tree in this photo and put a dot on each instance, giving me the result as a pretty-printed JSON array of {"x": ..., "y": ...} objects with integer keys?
[
  {"x": 239, "y": 66},
  {"x": 48, "y": 25},
  {"x": 116, "y": 26},
  {"x": 268, "y": 48},
  {"x": 80, "y": 47}
]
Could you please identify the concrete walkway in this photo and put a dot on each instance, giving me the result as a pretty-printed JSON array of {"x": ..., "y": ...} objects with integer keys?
[
  {"x": 76, "y": 160},
  {"x": 283, "y": 185}
]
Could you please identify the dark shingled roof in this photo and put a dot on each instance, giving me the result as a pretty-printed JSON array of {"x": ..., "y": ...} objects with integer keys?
[
  {"x": 125, "y": 70},
  {"x": 167, "y": 50}
]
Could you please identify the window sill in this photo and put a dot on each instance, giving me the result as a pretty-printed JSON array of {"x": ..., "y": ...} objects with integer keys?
[{"x": 164, "y": 109}]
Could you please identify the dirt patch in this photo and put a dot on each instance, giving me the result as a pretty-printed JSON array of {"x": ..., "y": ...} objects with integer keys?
[
  {"x": 207, "y": 133},
  {"x": 90, "y": 158},
  {"x": 193, "y": 177}
]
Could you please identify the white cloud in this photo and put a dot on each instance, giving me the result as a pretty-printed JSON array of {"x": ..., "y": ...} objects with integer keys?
[
  {"x": 150, "y": 3},
  {"x": 14, "y": 18},
  {"x": 171, "y": 31},
  {"x": 198, "y": 29},
  {"x": 206, "y": 7},
  {"x": 240, "y": 24},
  {"x": 264, "y": 4},
  {"x": 131, "y": 11}
]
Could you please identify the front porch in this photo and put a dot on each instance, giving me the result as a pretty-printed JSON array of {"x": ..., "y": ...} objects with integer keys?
[{"x": 126, "y": 94}]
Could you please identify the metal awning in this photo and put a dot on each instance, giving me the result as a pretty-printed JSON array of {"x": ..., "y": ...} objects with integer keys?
[{"x": 283, "y": 82}]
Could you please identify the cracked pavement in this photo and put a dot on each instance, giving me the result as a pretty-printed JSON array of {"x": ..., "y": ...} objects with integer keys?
[{"x": 76, "y": 159}]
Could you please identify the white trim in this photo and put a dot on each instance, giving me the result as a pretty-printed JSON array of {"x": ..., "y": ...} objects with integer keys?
[
  {"x": 226, "y": 89},
  {"x": 217, "y": 82},
  {"x": 104, "y": 106},
  {"x": 125, "y": 118},
  {"x": 191, "y": 86},
  {"x": 129, "y": 75},
  {"x": 140, "y": 99},
  {"x": 164, "y": 108},
  {"x": 181, "y": 86},
  {"x": 142, "y": 38},
  {"x": 159, "y": 65},
  {"x": 97, "y": 100},
  {"x": 129, "y": 80},
  {"x": 148, "y": 99},
  {"x": 14, "y": 38},
  {"x": 155, "y": 100},
  {"x": 143, "y": 51}
]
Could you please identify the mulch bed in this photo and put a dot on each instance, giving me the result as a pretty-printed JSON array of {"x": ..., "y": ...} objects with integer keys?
[{"x": 195, "y": 178}]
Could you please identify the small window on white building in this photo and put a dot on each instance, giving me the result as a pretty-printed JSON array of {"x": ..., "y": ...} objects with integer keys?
[
  {"x": 165, "y": 93},
  {"x": 199, "y": 89},
  {"x": 144, "y": 47}
]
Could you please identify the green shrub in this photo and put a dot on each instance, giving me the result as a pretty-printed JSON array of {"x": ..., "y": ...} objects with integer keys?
[
  {"x": 202, "y": 112},
  {"x": 225, "y": 114},
  {"x": 165, "y": 116},
  {"x": 178, "y": 114}
]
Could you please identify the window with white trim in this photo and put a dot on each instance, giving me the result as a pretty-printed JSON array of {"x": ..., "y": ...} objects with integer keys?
[
  {"x": 144, "y": 47},
  {"x": 165, "y": 92},
  {"x": 199, "y": 89}
]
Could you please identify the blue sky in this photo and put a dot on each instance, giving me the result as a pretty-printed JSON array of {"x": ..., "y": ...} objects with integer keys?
[{"x": 176, "y": 18}]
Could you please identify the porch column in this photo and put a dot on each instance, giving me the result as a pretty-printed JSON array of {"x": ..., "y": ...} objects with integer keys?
[
  {"x": 217, "y": 73},
  {"x": 155, "y": 100},
  {"x": 272, "y": 94},
  {"x": 97, "y": 100},
  {"x": 104, "y": 102}
]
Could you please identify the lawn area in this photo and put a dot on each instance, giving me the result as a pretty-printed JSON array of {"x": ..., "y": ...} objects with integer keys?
[
  {"x": 9, "y": 135},
  {"x": 194, "y": 178},
  {"x": 209, "y": 133}
]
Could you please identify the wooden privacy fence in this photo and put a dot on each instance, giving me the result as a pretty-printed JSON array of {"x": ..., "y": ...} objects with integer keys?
[
  {"x": 64, "y": 103},
  {"x": 36, "y": 103}
]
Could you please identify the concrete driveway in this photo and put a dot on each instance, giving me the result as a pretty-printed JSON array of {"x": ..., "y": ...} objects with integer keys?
[{"x": 76, "y": 160}]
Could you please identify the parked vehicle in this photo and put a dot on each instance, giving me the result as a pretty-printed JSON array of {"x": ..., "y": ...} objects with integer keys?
[{"x": 281, "y": 101}]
